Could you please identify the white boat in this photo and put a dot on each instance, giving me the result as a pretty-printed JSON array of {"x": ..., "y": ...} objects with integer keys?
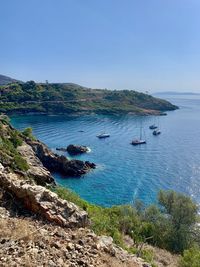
[
  {"x": 103, "y": 135},
  {"x": 138, "y": 141}
]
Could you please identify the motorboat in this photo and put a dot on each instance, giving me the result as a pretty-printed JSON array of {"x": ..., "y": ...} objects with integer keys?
[
  {"x": 153, "y": 127},
  {"x": 103, "y": 135},
  {"x": 156, "y": 132}
]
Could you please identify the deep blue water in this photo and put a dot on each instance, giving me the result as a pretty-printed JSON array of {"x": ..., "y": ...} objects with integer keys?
[{"x": 126, "y": 172}]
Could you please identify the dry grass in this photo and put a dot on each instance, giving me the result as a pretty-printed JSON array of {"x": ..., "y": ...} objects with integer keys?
[
  {"x": 15, "y": 229},
  {"x": 109, "y": 261},
  {"x": 163, "y": 258}
]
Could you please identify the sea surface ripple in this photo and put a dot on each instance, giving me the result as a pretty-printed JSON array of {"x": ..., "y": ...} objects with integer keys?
[{"x": 125, "y": 172}]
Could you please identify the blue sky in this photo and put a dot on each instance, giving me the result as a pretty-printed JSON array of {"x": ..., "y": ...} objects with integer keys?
[{"x": 118, "y": 44}]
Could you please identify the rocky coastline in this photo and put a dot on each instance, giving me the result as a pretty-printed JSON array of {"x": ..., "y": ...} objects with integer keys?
[
  {"x": 57, "y": 163},
  {"x": 38, "y": 227},
  {"x": 74, "y": 149}
]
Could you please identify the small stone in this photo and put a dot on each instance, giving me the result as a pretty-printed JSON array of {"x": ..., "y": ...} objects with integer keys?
[
  {"x": 78, "y": 247},
  {"x": 51, "y": 263},
  {"x": 62, "y": 234},
  {"x": 56, "y": 245},
  {"x": 34, "y": 250},
  {"x": 70, "y": 246},
  {"x": 60, "y": 261},
  {"x": 81, "y": 242},
  {"x": 43, "y": 232}
]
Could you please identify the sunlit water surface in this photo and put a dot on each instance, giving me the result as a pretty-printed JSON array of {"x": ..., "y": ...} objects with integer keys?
[{"x": 126, "y": 172}]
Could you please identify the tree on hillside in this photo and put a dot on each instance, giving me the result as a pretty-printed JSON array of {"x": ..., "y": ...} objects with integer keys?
[{"x": 181, "y": 212}]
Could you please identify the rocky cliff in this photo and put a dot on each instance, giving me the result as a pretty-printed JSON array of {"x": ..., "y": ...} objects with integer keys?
[
  {"x": 42, "y": 201},
  {"x": 36, "y": 170},
  {"x": 58, "y": 163},
  {"x": 31, "y": 158},
  {"x": 56, "y": 233}
]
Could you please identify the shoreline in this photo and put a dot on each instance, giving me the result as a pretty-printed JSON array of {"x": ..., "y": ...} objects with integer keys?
[{"x": 77, "y": 114}]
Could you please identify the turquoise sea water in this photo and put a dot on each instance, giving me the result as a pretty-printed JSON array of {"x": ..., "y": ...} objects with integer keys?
[{"x": 126, "y": 172}]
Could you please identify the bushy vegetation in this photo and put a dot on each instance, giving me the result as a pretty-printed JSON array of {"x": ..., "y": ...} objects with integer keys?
[
  {"x": 191, "y": 257},
  {"x": 72, "y": 98},
  {"x": 168, "y": 225},
  {"x": 19, "y": 163},
  {"x": 10, "y": 139},
  {"x": 28, "y": 132},
  {"x": 6, "y": 80}
]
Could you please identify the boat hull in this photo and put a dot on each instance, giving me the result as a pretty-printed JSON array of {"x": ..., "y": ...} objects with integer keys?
[
  {"x": 153, "y": 127},
  {"x": 156, "y": 132},
  {"x": 136, "y": 143},
  {"x": 103, "y": 136}
]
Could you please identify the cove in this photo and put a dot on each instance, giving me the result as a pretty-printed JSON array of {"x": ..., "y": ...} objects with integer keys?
[{"x": 124, "y": 172}]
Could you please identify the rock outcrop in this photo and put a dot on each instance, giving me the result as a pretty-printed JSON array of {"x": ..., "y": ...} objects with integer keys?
[
  {"x": 36, "y": 170},
  {"x": 64, "y": 242},
  {"x": 42, "y": 201},
  {"x": 56, "y": 163},
  {"x": 76, "y": 149},
  {"x": 46, "y": 244}
]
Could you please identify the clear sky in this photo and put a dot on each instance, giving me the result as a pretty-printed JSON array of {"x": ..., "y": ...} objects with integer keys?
[{"x": 118, "y": 44}]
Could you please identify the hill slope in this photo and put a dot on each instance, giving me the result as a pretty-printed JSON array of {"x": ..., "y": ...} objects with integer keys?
[
  {"x": 71, "y": 98},
  {"x": 6, "y": 80}
]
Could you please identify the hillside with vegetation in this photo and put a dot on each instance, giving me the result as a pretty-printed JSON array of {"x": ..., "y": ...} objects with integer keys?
[
  {"x": 71, "y": 98},
  {"x": 4, "y": 80}
]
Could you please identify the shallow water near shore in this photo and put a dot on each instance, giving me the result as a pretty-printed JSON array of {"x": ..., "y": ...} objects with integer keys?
[{"x": 125, "y": 172}]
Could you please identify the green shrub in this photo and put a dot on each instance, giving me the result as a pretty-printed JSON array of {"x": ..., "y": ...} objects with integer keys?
[
  {"x": 19, "y": 163},
  {"x": 16, "y": 139},
  {"x": 104, "y": 220},
  {"x": 191, "y": 258},
  {"x": 69, "y": 195},
  {"x": 5, "y": 119},
  {"x": 180, "y": 214},
  {"x": 28, "y": 132},
  {"x": 147, "y": 255},
  {"x": 167, "y": 226}
]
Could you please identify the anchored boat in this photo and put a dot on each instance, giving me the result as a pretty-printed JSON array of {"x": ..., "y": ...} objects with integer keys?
[
  {"x": 103, "y": 135},
  {"x": 138, "y": 141},
  {"x": 153, "y": 127},
  {"x": 156, "y": 132}
]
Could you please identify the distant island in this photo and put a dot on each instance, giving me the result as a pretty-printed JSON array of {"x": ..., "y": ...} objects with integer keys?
[
  {"x": 175, "y": 93},
  {"x": 68, "y": 98}
]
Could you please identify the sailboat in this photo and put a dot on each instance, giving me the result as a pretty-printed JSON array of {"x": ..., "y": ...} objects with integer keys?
[{"x": 138, "y": 141}]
